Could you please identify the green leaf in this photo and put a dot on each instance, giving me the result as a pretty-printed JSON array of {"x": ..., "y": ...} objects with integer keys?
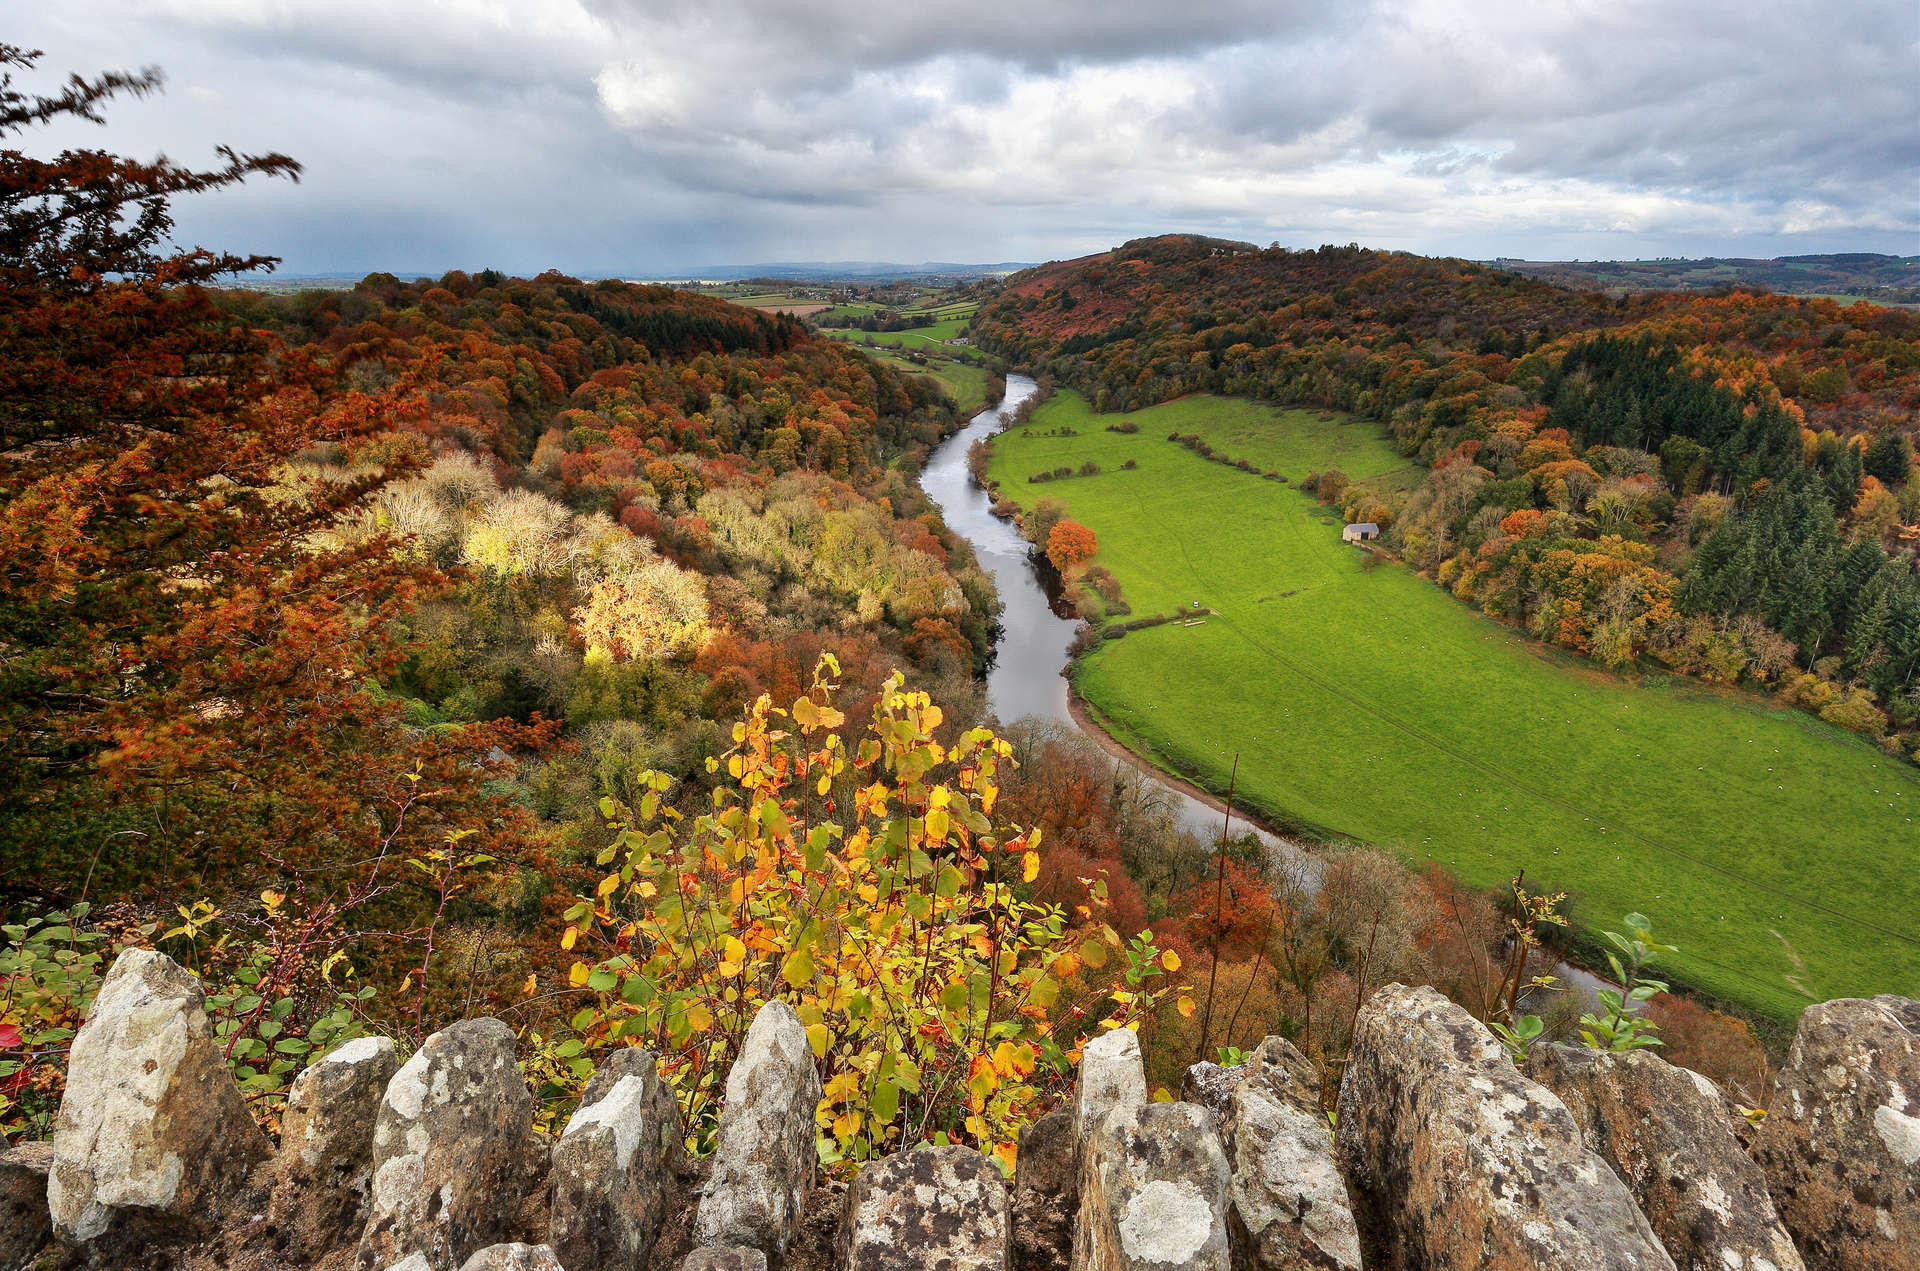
[
  {"x": 886, "y": 1101},
  {"x": 797, "y": 970}
]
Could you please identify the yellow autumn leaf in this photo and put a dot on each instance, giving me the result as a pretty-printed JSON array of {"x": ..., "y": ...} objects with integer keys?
[
  {"x": 272, "y": 899},
  {"x": 1008, "y": 1154},
  {"x": 646, "y": 890},
  {"x": 572, "y": 935},
  {"x": 699, "y": 1017},
  {"x": 577, "y": 975},
  {"x": 1186, "y": 1005},
  {"x": 1066, "y": 964},
  {"x": 1170, "y": 960},
  {"x": 607, "y": 885},
  {"x": 736, "y": 952},
  {"x": 937, "y": 825},
  {"x": 817, "y": 1038},
  {"x": 1030, "y": 866}
]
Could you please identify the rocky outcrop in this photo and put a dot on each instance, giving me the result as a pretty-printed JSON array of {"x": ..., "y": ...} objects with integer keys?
[
  {"x": 25, "y": 1225},
  {"x": 1840, "y": 1146},
  {"x": 1455, "y": 1160},
  {"x": 1112, "y": 1076},
  {"x": 513, "y": 1257},
  {"x": 612, "y": 1167},
  {"x": 1446, "y": 1157},
  {"x": 450, "y": 1149},
  {"x": 1669, "y": 1136},
  {"x": 1287, "y": 1206},
  {"x": 1046, "y": 1194},
  {"x": 932, "y": 1207},
  {"x": 153, "y": 1140},
  {"x": 323, "y": 1173},
  {"x": 764, "y": 1156},
  {"x": 1153, "y": 1189}
]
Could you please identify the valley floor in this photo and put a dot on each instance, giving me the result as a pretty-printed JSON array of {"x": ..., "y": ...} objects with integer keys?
[{"x": 1777, "y": 851}]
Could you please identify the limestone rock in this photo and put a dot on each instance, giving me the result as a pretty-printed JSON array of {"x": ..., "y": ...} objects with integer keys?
[
  {"x": 943, "y": 1207},
  {"x": 764, "y": 1155},
  {"x": 513, "y": 1257},
  {"x": 324, "y": 1170},
  {"x": 153, "y": 1137},
  {"x": 1211, "y": 1086},
  {"x": 1153, "y": 1188},
  {"x": 449, "y": 1149},
  {"x": 1285, "y": 1074},
  {"x": 725, "y": 1258},
  {"x": 412, "y": 1262},
  {"x": 1841, "y": 1144},
  {"x": 1287, "y": 1206},
  {"x": 1046, "y": 1194},
  {"x": 1455, "y": 1160},
  {"x": 1112, "y": 1076},
  {"x": 25, "y": 1224},
  {"x": 1668, "y": 1133},
  {"x": 612, "y": 1168}
]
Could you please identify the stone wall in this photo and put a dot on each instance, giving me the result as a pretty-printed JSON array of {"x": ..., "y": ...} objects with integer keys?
[{"x": 1446, "y": 1156}]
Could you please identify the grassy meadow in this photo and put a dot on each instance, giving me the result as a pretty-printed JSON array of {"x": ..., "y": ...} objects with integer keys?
[
  {"x": 940, "y": 325},
  {"x": 967, "y": 384},
  {"x": 1778, "y": 852}
]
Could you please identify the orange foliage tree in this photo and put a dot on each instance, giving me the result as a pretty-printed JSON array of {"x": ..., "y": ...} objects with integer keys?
[{"x": 1070, "y": 544}]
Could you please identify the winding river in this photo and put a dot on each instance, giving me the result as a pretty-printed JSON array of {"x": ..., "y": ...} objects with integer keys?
[{"x": 1027, "y": 676}]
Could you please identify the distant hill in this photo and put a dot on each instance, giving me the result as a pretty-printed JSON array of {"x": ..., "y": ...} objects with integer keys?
[
  {"x": 836, "y": 270},
  {"x": 1868, "y": 275}
]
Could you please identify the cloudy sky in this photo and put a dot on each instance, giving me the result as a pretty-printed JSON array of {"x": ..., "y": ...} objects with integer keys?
[{"x": 654, "y": 136}]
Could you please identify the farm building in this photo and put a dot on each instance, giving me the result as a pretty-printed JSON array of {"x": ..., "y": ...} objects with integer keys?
[{"x": 1360, "y": 533}]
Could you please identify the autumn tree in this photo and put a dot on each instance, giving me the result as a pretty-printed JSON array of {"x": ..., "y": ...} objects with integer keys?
[
  {"x": 183, "y": 667},
  {"x": 1070, "y": 544}
]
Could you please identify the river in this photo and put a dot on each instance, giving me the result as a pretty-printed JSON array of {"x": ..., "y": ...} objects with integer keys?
[{"x": 1028, "y": 672}]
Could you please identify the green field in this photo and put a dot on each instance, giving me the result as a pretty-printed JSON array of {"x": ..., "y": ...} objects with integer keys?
[
  {"x": 942, "y": 324},
  {"x": 1779, "y": 853},
  {"x": 966, "y": 384}
]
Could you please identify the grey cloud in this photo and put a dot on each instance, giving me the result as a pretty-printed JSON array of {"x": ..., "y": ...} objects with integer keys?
[{"x": 616, "y": 135}]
